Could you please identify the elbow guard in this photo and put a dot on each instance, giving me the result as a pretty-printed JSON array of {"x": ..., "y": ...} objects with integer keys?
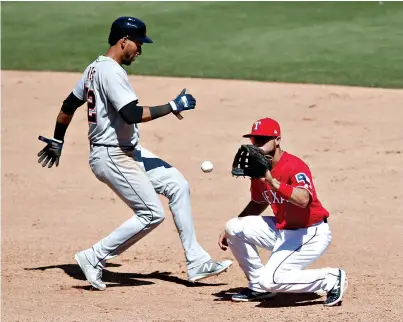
[
  {"x": 71, "y": 103},
  {"x": 131, "y": 113}
]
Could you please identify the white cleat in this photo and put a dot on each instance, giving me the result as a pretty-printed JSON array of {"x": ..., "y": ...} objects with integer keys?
[
  {"x": 335, "y": 295},
  {"x": 208, "y": 269},
  {"x": 92, "y": 274}
]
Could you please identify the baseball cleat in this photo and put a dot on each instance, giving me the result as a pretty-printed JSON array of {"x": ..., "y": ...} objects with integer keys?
[
  {"x": 92, "y": 274},
  {"x": 208, "y": 269},
  {"x": 248, "y": 295},
  {"x": 335, "y": 295}
]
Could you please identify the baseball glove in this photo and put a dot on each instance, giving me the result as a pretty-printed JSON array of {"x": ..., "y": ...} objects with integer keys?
[{"x": 250, "y": 161}]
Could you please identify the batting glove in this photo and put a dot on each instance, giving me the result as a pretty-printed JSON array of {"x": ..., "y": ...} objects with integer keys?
[
  {"x": 51, "y": 152},
  {"x": 183, "y": 102}
]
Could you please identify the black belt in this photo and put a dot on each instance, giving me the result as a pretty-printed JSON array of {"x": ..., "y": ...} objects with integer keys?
[
  {"x": 324, "y": 220},
  {"x": 130, "y": 147}
]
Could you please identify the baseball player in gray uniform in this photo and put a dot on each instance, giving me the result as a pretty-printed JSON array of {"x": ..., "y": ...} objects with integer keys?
[{"x": 117, "y": 159}]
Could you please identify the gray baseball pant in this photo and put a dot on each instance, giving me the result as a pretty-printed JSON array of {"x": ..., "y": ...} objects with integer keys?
[{"x": 137, "y": 177}]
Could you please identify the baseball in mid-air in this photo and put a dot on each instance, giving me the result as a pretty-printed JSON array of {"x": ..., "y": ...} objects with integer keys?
[{"x": 207, "y": 166}]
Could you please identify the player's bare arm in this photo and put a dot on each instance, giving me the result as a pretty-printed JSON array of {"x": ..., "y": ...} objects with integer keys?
[
  {"x": 252, "y": 209},
  {"x": 70, "y": 105},
  {"x": 51, "y": 153},
  {"x": 297, "y": 196}
]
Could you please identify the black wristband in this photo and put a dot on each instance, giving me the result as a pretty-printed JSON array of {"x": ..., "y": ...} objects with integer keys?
[{"x": 60, "y": 131}]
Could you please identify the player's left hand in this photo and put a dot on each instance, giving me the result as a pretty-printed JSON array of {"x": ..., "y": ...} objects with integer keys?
[
  {"x": 183, "y": 102},
  {"x": 222, "y": 241},
  {"x": 51, "y": 152}
]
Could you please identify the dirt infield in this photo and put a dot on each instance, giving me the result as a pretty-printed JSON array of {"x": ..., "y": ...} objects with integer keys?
[{"x": 352, "y": 138}]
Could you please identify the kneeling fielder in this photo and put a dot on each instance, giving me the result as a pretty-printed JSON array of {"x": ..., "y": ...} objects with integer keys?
[{"x": 297, "y": 235}]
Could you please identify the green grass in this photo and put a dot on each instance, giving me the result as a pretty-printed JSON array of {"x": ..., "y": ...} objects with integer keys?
[{"x": 350, "y": 43}]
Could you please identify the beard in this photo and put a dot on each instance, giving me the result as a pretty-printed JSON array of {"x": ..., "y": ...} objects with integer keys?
[
  {"x": 271, "y": 153},
  {"x": 126, "y": 61}
]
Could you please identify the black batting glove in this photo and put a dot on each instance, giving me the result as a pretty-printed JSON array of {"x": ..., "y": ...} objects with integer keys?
[{"x": 51, "y": 152}]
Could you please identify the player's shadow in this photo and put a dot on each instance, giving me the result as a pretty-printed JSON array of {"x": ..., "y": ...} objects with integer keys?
[
  {"x": 118, "y": 279},
  {"x": 280, "y": 300}
]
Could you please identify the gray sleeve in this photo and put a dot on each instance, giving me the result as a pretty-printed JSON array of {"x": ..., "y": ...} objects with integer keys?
[
  {"x": 117, "y": 88},
  {"x": 78, "y": 90}
]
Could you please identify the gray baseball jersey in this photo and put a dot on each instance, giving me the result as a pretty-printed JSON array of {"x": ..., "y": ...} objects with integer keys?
[
  {"x": 135, "y": 174},
  {"x": 106, "y": 88}
]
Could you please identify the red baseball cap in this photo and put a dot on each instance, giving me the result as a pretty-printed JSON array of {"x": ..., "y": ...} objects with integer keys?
[{"x": 264, "y": 127}]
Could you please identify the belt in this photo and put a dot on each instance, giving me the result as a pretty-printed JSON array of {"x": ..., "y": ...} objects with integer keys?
[
  {"x": 319, "y": 222},
  {"x": 130, "y": 147}
]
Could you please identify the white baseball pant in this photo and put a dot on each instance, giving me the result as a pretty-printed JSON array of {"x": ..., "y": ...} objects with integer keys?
[{"x": 292, "y": 251}]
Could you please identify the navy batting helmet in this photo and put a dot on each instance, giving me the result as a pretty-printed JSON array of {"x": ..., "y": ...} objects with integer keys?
[{"x": 130, "y": 27}]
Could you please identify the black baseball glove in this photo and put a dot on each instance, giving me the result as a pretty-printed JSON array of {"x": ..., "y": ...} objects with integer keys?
[{"x": 250, "y": 162}]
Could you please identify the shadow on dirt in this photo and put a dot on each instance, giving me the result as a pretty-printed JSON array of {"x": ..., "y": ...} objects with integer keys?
[
  {"x": 117, "y": 279},
  {"x": 280, "y": 300}
]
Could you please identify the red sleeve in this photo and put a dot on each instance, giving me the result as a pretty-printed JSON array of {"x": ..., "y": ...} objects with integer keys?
[
  {"x": 302, "y": 178},
  {"x": 257, "y": 189}
]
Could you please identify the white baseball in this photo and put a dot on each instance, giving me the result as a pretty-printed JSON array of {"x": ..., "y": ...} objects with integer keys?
[{"x": 207, "y": 166}]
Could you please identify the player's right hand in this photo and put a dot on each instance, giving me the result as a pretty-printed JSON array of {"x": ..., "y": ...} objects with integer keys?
[
  {"x": 222, "y": 241},
  {"x": 51, "y": 152},
  {"x": 183, "y": 102}
]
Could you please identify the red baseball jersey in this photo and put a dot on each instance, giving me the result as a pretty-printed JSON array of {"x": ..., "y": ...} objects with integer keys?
[{"x": 295, "y": 172}]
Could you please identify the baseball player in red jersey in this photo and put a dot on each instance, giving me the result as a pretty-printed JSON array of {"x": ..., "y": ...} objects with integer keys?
[{"x": 297, "y": 235}]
